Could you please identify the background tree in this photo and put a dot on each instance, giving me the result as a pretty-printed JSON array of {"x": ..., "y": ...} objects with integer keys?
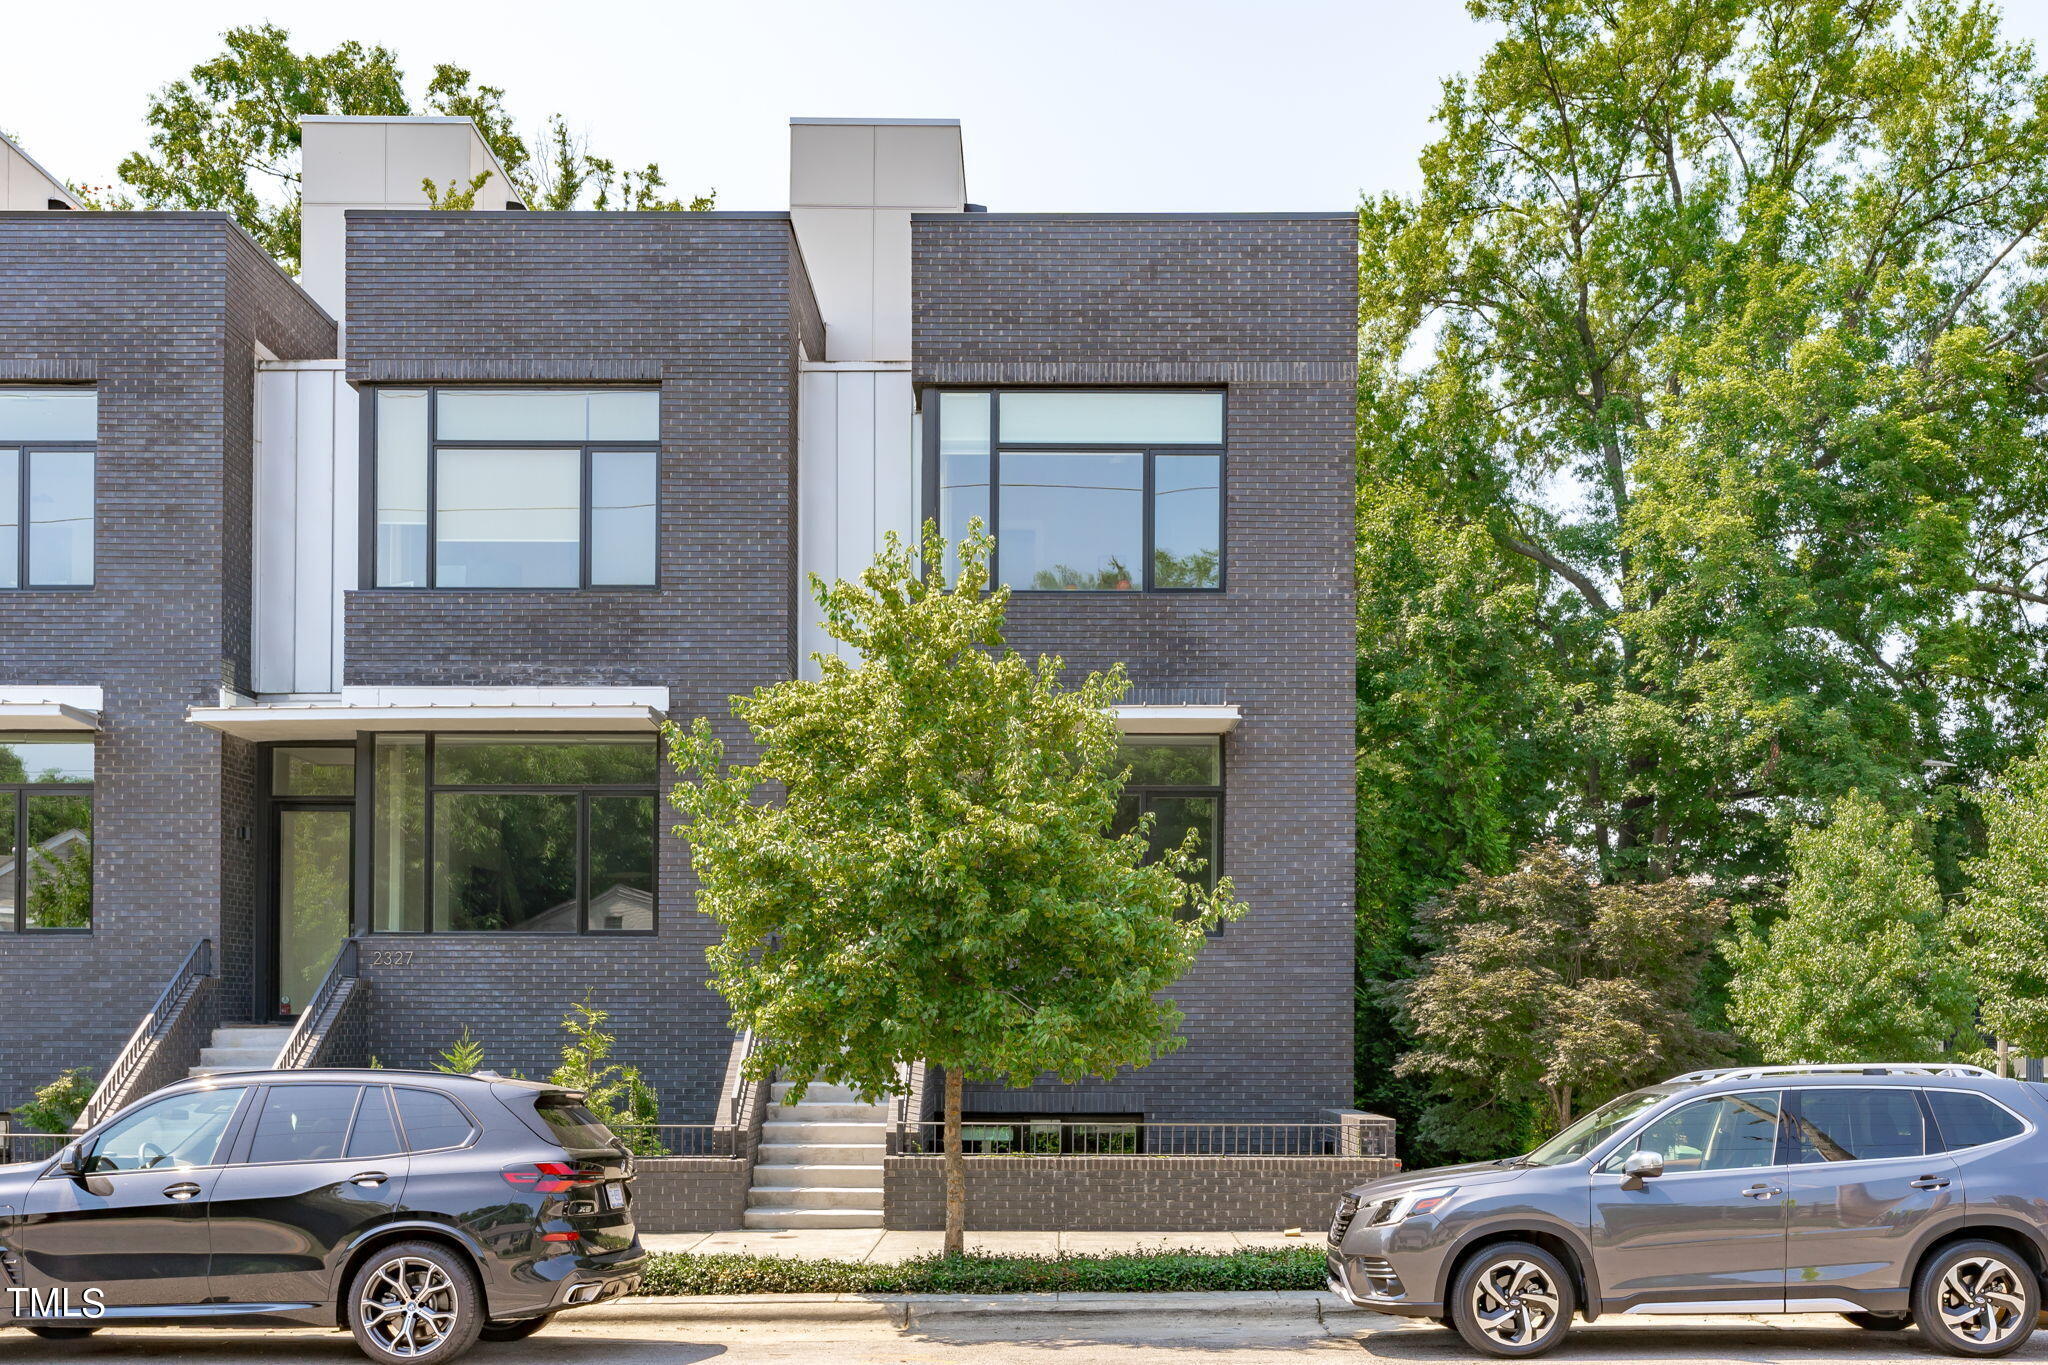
[
  {"x": 226, "y": 136},
  {"x": 934, "y": 878},
  {"x": 1544, "y": 994},
  {"x": 1860, "y": 967},
  {"x": 2003, "y": 923}
]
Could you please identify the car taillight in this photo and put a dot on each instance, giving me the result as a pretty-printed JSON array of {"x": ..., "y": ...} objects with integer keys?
[{"x": 547, "y": 1177}]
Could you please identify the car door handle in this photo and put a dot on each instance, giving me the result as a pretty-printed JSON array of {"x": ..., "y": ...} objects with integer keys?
[
  {"x": 1762, "y": 1192},
  {"x": 369, "y": 1180},
  {"x": 183, "y": 1190},
  {"x": 1931, "y": 1182}
]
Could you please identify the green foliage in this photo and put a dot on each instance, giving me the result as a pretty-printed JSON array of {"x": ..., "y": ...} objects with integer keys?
[
  {"x": 1252, "y": 1271},
  {"x": 1544, "y": 994},
  {"x": 226, "y": 136},
  {"x": 618, "y": 1095},
  {"x": 2003, "y": 923},
  {"x": 457, "y": 196},
  {"x": 465, "y": 1056},
  {"x": 57, "y": 1103},
  {"x": 1860, "y": 968}
]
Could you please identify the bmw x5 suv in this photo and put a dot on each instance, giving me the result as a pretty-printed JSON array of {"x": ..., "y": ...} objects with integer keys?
[
  {"x": 1897, "y": 1195},
  {"x": 420, "y": 1211}
]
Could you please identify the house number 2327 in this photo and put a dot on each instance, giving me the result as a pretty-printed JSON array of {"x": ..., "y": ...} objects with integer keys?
[{"x": 401, "y": 957}]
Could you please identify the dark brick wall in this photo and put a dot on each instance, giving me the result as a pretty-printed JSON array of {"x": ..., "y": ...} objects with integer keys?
[
  {"x": 709, "y": 306},
  {"x": 1265, "y": 307},
  {"x": 690, "y": 1193},
  {"x": 1128, "y": 1193},
  {"x": 161, "y": 311}
]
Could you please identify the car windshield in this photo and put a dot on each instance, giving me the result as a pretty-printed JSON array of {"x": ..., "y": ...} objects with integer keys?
[{"x": 1593, "y": 1129}]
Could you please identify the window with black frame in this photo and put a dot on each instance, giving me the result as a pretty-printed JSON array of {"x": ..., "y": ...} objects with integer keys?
[
  {"x": 45, "y": 833},
  {"x": 512, "y": 833},
  {"x": 1084, "y": 490},
  {"x": 514, "y": 488},
  {"x": 48, "y": 436},
  {"x": 1178, "y": 780}
]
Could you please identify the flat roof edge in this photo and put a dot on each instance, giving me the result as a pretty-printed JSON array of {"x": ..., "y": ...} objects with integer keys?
[
  {"x": 1276, "y": 217},
  {"x": 880, "y": 122}
]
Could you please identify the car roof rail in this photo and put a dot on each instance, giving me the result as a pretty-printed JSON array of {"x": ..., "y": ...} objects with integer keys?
[{"x": 1743, "y": 1073}]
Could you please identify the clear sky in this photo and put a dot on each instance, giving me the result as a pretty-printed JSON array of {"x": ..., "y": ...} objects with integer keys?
[{"x": 1067, "y": 104}]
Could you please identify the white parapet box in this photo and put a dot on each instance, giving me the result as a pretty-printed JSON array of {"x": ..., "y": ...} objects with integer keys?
[{"x": 26, "y": 186}]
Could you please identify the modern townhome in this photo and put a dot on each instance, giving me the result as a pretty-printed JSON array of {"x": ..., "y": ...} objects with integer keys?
[{"x": 338, "y": 613}]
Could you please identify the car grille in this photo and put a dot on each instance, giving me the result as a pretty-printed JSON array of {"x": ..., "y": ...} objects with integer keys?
[
  {"x": 1347, "y": 1209},
  {"x": 1380, "y": 1273}
]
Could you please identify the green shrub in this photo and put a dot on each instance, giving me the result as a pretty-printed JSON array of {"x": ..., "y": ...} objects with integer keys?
[
  {"x": 57, "y": 1103},
  {"x": 618, "y": 1095},
  {"x": 1299, "y": 1267}
]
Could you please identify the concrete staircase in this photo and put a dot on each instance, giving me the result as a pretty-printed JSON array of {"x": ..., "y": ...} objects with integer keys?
[
  {"x": 820, "y": 1162},
  {"x": 242, "y": 1047}
]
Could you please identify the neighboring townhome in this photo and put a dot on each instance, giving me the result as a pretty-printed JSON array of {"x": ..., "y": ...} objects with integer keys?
[{"x": 337, "y": 615}]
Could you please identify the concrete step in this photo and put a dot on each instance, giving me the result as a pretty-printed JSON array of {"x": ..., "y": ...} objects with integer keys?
[
  {"x": 239, "y": 1058},
  {"x": 818, "y": 1174},
  {"x": 827, "y": 1113},
  {"x": 272, "y": 1036},
  {"x": 818, "y": 1093},
  {"x": 820, "y": 1154},
  {"x": 813, "y": 1197},
  {"x": 811, "y": 1218},
  {"x": 780, "y": 1131}
]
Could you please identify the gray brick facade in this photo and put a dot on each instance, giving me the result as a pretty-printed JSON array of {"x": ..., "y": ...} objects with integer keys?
[
  {"x": 1264, "y": 307},
  {"x": 161, "y": 312},
  {"x": 712, "y": 307}
]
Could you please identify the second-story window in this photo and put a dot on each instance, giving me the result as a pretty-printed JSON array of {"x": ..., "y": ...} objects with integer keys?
[
  {"x": 515, "y": 488},
  {"x": 47, "y": 440},
  {"x": 1085, "y": 490}
]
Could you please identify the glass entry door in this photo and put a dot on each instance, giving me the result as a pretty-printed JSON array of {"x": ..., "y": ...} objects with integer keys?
[{"x": 313, "y": 899}]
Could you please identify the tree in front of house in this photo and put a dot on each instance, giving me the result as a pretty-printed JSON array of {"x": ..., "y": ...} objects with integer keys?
[
  {"x": 1860, "y": 967},
  {"x": 917, "y": 866},
  {"x": 1544, "y": 994},
  {"x": 226, "y": 136},
  {"x": 2002, "y": 923}
]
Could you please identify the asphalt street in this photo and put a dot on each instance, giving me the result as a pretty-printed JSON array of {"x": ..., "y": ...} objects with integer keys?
[{"x": 643, "y": 1335}]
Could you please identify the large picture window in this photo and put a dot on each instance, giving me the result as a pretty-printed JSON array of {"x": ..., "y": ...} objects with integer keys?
[
  {"x": 45, "y": 833},
  {"x": 1179, "y": 780},
  {"x": 512, "y": 833},
  {"x": 47, "y": 442},
  {"x": 514, "y": 488},
  {"x": 1084, "y": 491}
]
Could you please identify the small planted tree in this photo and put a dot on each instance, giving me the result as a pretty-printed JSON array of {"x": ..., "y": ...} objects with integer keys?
[
  {"x": 1544, "y": 994},
  {"x": 918, "y": 865},
  {"x": 2002, "y": 926},
  {"x": 1860, "y": 968}
]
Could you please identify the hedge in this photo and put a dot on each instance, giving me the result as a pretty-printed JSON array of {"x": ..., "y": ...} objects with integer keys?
[{"x": 1141, "y": 1271}]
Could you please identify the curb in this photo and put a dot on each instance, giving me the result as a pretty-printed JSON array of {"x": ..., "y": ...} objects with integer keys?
[{"x": 906, "y": 1310}]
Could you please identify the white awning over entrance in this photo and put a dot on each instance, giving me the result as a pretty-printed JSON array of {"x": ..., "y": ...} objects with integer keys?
[
  {"x": 51, "y": 708},
  {"x": 440, "y": 709},
  {"x": 1216, "y": 719}
]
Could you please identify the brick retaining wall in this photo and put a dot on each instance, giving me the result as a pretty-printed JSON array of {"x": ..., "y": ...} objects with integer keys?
[
  {"x": 690, "y": 1193},
  {"x": 1127, "y": 1193}
]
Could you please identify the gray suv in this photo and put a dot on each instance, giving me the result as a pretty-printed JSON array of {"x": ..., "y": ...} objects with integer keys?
[{"x": 1897, "y": 1196}]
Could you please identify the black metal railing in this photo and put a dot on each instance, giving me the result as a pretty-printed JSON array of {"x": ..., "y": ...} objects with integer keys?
[
  {"x": 114, "y": 1087},
  {"x": 307, "y": 1032},
  {"x": 681, "y": 1139},
  {"x": 1031, "y": 1137},
  {"x": 16, "y": 1145}
]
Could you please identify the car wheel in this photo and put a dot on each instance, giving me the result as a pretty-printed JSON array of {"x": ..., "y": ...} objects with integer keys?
[
  {"x": 1881, "y": 1322},
  {"x": 1513, "y": 1299},
  {"x": 414, "y": 1302},
  {"x": 63, "y": 1333},
  {"x": 519, "y": 1330},
  {"x": 1976, "y": 1299}
]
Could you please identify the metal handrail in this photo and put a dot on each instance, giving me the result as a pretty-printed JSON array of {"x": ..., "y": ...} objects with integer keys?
[
  {"x": 1110, "y": 1137},
  {"x": 298, "y": 1049},
  {"x": 113, "y": 1087}
]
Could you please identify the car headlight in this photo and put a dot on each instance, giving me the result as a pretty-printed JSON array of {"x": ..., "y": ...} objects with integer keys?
[{"x": 1417, "y": 1202}]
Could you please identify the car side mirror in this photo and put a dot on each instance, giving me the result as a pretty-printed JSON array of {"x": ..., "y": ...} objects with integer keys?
[
  {"x": 71, "y": 1161},
  {"x": 1640, "y": 1166}
]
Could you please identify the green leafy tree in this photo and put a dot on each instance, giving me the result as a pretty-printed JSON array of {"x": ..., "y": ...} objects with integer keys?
[
  {"x": 1860, "y": 967},
  {"x": 2002, "y": 924},
  {"x": 934, "y": 878},
  {"x": 57, "y": 1103},
  {"x": 226, "y": 136},
  {"x": 1544, "y": 994},
  {"x": 619, "y": 1096}
]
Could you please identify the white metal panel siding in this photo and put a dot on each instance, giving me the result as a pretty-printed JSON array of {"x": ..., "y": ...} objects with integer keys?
[
  {"x": 857, "y": 480},
  {"x": 305, "y": 533}
]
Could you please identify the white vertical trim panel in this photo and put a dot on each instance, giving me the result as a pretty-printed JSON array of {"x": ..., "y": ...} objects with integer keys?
[
  {"x": 817, "y": 505},
  {"x": 273, "y": 577},
  {"x": 347, "y": 512},
  {"x": 313, "y": 655}
]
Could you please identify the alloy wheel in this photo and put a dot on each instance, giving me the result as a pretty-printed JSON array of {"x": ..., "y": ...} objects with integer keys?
[
  {"x": 1982, "y": 1301},
  {"x": 1514, "y": 1302},
  {"x": 408, "y": 1306}
]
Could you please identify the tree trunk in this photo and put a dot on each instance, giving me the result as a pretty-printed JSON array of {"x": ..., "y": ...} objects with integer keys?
[
  {"x": 2004, "y": 1058},
  {"x": 956, "y": 1168}
]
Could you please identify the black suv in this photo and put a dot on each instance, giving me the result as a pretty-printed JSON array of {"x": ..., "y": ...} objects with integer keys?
[{"x": 422, "y": 1211}]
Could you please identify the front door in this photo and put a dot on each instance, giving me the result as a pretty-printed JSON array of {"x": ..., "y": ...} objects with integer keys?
[
  {"x": 1711, "y": 1228},
  {"x": 314, "y": 899}
]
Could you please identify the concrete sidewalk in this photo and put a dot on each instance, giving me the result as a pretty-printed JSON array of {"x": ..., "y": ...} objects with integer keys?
[{"x": 878, "y": 1247}]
